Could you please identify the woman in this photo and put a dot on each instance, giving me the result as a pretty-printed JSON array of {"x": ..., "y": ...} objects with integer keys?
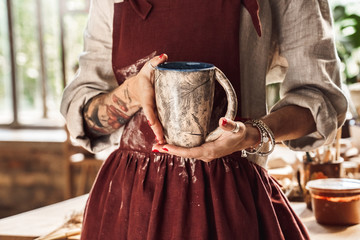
[{"x": 148, "y": 189}]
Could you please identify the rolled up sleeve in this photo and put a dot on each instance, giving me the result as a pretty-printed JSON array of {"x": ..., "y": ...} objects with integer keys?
[
  {"x": 312, "y": 78},
  {"x": 95, "y": 76}
]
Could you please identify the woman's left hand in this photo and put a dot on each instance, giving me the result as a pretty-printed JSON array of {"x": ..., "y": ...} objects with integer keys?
[{"x": 227, "y": 143}]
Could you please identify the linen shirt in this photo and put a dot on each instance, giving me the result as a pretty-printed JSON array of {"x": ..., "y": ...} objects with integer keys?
[{"x": 296, "y": 48}]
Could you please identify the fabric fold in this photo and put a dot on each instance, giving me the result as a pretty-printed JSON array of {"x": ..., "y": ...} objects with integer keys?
[
  {"x": 141, "y": 195},
  {"x": 141, "y": 7}
]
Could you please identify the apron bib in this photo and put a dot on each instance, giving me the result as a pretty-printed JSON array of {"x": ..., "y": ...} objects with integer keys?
[{"x": 186, "y": 30}]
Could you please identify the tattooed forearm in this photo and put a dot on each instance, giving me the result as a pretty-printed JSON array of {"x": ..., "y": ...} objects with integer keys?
[
  {"x": 120, "y": 102},
  {"x": 106, "y": 113},
  {"x": 126, "y": 94},
  {"x": 95, "y": 116},
  {"x": 92, "y": 120},
  {"x": 116, "y": 118}
]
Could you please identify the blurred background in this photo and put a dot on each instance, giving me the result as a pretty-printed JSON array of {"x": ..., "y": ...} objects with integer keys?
[{"x": 40, "y": 41}]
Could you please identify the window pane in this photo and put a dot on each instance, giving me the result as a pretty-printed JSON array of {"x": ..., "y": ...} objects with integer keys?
[
  {"x": 51, "y": 29},
  {"x": 29, "y": 76},
  {"x": 74, "y": 28},
  {"x": 75, "y": 5},
  {"x": 6, "y": 115},
  {"x": 27, "y": 60},
  {"x": 27, "y": 51}
]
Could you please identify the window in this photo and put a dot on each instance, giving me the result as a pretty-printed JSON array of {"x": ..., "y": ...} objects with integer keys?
[
  {"x": 347, "y": 28},
  {"x": 40, "y": 41}
]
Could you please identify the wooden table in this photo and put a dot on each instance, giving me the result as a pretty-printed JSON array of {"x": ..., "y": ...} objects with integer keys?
[{"x": 42, "y": 221}]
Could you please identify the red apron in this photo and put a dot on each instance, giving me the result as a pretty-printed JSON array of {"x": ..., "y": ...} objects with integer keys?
[
  {"x": 142, "y": 195},
  {"x": 186, "y": 30}
]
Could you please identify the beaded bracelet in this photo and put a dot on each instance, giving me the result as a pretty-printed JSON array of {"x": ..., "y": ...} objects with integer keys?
[
  {"x": 253, "y": 150},
  {"x": 266, "y": 135}
]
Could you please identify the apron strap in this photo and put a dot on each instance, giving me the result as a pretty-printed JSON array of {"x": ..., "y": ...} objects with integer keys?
[{"x": 253, "y": 8}]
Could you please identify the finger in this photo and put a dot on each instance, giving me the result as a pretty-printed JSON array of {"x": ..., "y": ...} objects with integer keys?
[
  {"x": 176, "y": 150},
  {"x": 194, "y": 152},
  {"x": 153, "y": 121},
  {"x": 147, "y": 98},
  {"x": 230, "y": 125},
  {"x": 152, "y": 63},
  {"x": 159, "y": 59},
  {"x": 227, "y": 124}
]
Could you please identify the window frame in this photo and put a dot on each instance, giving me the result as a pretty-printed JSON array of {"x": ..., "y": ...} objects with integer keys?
[{"x": 63, "y": 11}]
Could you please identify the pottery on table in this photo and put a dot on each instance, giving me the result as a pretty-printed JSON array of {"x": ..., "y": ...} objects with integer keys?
[
  {"x": 316, "y": 170},
  {"x": 336, "y": 201}
]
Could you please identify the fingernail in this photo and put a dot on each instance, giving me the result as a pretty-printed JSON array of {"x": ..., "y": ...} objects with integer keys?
[
  {"x": 149, "y": 123},
  {"x": 161, "y": 56},
  {"x": 224, "y": 122},
  {"x": 165, "y": 149},
  {"x": 155, "y": 150}
]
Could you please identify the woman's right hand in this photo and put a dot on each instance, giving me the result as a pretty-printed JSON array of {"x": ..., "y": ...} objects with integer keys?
[
  {"x": 142, "y": 91},
  {"x": 107, "y": 112}
]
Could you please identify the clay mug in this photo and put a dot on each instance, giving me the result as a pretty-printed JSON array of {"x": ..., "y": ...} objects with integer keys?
[{"x": 184, "y": 94}]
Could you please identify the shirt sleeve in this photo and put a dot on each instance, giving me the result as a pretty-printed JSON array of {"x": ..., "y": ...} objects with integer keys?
[
  {"x": 312, "y": 78},
  {"x": 95, "y": 76}
]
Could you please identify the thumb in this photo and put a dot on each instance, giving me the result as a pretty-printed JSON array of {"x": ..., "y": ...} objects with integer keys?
[
  {"x": 159, "y": 59},
  {"x": 152, "y": 63},
  {"x": 230, "y": 125}
]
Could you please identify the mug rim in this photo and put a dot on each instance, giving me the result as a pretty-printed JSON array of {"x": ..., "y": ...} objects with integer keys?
[{"x": 168, "y": 66}]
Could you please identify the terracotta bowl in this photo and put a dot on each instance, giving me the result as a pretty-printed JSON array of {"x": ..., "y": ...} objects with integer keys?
[{"x": 335, "y": 201}]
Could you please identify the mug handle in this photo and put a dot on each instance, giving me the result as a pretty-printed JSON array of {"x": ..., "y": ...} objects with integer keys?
[{"x": 232, "y": 103}]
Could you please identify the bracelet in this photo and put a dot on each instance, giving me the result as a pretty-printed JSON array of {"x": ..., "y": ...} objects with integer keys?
[
  {"x": 266, "y": 136},
  {"x": 253, "y": 150}
]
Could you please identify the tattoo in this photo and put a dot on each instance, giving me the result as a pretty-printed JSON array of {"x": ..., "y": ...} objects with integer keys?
[
  {"x": 126, "y": 94},
  {"x": 116, "y": 117},
  {"x": 95, "y": 116},
  {"x": 120, "y": 103},
  {"x": 92, "y": 121},
  {"x": 102, "y": 118}
]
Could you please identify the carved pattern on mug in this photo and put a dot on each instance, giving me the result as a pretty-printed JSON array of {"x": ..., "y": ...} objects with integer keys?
[{"x": 184, "y": 100}]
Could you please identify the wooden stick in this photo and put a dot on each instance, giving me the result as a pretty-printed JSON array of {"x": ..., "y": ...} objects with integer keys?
[
  {"x": 327, "y": 156},
  {"x": 318, "y": 157},
  {"x": 63, "y": 235},
  {"x": 337, "y": 144}
]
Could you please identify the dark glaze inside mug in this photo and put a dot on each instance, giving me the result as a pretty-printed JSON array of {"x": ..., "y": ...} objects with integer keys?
[{"x": 185, "y": 66}]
